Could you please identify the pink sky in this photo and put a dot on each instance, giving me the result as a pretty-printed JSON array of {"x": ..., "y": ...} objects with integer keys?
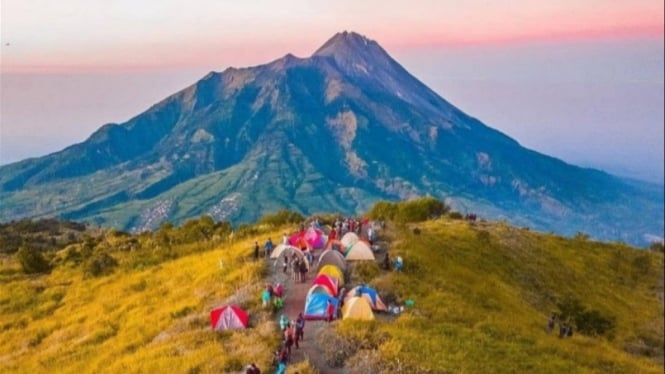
[{"x": 97, "y": 35}]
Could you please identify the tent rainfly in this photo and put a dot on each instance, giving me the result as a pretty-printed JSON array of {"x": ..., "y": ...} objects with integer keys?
[
  {"x": 332, "y": 257},
  {"x": 228, "y": 317},
  {"x": 357, "y": 308},
  {"x": 334, "y": 272}
]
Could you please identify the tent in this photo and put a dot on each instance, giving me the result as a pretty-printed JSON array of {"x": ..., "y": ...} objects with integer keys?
[
  {"x": 228, "y": 317},
  {"x": 368, "y": 293},
  {"x": 315, "y": 238},
  {"x": 330, "y": 283},
  {"x": 319, "y": 288},
  {"x": 357, "y": 308},
  {"x": 349, "y": 239},
  {"x": 337, "y": 245},
  {"x": 312, "y": 237},
  {"x": 360, "y": 251},
  {"x": 315, "y": 306},
  {"x": 334, "y": 272},
  {"x": 289, "y": 250},
  {"x": 332, "y": 257}
]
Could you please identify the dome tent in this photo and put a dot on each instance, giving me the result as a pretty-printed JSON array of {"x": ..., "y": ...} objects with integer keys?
[
  {"x": 228, "y": 317},
  {"x": 315, "y": 306},
  {"x": 360, "y": 251},
  {"x": 332, "y": 257},
  {"x": 357, "y": 308}
]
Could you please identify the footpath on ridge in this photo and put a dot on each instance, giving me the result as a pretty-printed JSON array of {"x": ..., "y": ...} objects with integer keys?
[{"x": 294, "y": 303}]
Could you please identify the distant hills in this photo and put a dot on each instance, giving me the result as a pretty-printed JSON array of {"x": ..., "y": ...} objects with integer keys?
[{"x": 336, "y": 131}]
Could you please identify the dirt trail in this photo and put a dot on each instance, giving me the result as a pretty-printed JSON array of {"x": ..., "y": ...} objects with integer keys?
[{"x": 294, "y": 303}]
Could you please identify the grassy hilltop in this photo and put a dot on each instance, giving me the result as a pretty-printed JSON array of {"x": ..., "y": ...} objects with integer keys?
[{"x": 113, "y": 302}]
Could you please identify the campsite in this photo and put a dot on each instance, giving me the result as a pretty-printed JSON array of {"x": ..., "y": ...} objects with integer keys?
[{"x": 472, "y": 296}]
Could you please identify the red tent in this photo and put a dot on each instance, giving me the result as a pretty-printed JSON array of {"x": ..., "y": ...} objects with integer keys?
[{"x": 228, "y": 317}]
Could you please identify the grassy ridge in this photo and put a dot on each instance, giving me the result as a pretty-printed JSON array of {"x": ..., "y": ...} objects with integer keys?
[
  {"x": 484, "y": 292},
  {"x": 138, "y": 320}
]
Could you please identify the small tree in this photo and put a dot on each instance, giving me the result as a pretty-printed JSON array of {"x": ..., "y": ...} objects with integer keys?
[
  {"x": 99, "y": 264},
  {"x": 32, "y": 261}
]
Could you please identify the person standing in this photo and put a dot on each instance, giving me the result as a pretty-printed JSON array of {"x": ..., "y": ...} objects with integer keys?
[
  {"x": 268, "y": 247},
  {"x": 330, "y": 311},
  {"x": 300, "y": 329},
  {"x": 256, "y": 250}
]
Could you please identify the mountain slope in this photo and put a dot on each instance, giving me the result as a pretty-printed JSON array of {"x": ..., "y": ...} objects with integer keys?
[{"x": 337, "y": 130}]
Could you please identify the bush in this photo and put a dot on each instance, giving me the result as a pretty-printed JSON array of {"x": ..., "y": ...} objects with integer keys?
[
  {"x": 383, "y": 210},
  {"x": 282, "y": 217},
  {"x": 99, "y": 264},
  {"x": 455, "y": 215},
  {"x": 420, "y": 210},
  {"x": 657, "y": 247},
  {"x": 32, "y": 261},
  {"x": 588, "y": 321}
]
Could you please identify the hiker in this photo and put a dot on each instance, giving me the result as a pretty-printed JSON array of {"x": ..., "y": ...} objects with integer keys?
[
  {"x": 265, "y": 298},
  {"x": 550, "y": 323},
  {"x": 278, "y": 303},
  {"x": 332, "y": 235},
  {"x": 286, "y": 263},
  {"x": 399, "y": 263},
  {"x": 283, "y": 321},
  {"x": 303, "y": 271},
  {"x": 563, "y": 329},
  {"x": 268, "y": 247},
  {"x": 300, "y": 329},
  {"x": 295, "y": 266},
  {"x": 282, "y": 358},
  {"x": 386, "y": 261},
  {"x": 252, "y": 369},
  {"x": 289, "y": 335},
  {"x": 330, "y": 311},
  {"x": 279, "y": 290},
  {"x": 285, "y": 239},
  {"x": 256, "y": 250},
  {"x": 569, "y": 333},
  {"x": 340, "y": 299},
  {"x": 371, "y": 236}
]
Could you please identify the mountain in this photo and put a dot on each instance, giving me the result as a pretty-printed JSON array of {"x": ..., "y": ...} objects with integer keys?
[{"x": 333, "y": 132}]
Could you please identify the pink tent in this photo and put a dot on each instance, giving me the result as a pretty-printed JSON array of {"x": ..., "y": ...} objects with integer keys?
[
  {"x": 228, "y": 317},
  {"x": 313, "y": 238}
]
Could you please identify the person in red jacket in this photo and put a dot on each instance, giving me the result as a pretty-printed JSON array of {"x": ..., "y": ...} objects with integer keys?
[{"x": 330, "y": 311}]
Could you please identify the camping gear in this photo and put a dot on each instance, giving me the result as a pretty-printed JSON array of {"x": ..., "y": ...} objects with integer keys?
[
  {"x": 349, "y": 239},
  {"x": 228, "y": 317},
  {"x": 357, "y": 308},
  {"x": 332, "y": 257},
  {"x": 330, "y": 283},
  {"x": 315, "y": 306},
  {"x": 368, "y": 293},
  {"x": 360, "y": 251},
  {"x": 334, "y": 272}
]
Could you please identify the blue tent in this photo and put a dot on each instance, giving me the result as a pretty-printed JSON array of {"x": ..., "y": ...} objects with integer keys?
[
  {"x": 315, "y": 306},
  {"x": 368, "y": 293}
]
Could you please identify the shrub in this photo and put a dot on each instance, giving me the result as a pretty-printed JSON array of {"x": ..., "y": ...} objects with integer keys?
[
  {"x": 420, "y": 210},
  {"x": 588, "y": 321},
  {"x": 32, "y": 261},
  {"x": 383, "y": 210},
  {"x": 657, "y": 247},
  {"x": 455, "y": 215},
  {"x": 282, "y": 217},
  {"x": 365, "y": 271},
  {"x": 99, "y": 264}
]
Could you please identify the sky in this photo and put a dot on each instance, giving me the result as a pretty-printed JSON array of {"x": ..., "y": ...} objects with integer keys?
[{"x": 579, "y": 80}]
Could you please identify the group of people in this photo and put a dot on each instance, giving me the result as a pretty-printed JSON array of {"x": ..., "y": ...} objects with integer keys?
[
  {"x": 273, "y": 295},
  {"x": 565, "y": 329},
  {"x": 298, "y": 267},
  {"x": 293, "y": 332}
]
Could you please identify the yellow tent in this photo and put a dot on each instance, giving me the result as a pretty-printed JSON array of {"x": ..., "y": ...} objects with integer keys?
[
  {"x": 357, "y": 308},
  {"x": 360, "y": 251},
  {"x": 334, "y": 272}
]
